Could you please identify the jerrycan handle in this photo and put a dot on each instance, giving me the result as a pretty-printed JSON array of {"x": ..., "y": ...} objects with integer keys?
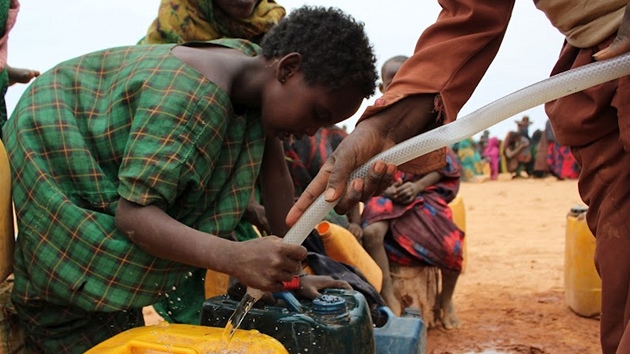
[
  {"x": 292, "y": 303},
  {"x": 390, "y": 315}
]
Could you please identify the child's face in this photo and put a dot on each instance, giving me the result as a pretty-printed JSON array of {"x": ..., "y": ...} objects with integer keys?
[{"x": 295, "y": 108}]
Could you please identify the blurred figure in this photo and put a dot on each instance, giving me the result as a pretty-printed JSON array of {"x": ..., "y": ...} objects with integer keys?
[
  {"x": 483, "y": 141},
  {"x": 492, "y": 154},
  {"x": 9, "y": 10},
  {"x": 470, "y": 159},
  {"x": 560, "y": 160},
  {"x": 523, "y": 127},
  {"x": 516, "y": 149}
]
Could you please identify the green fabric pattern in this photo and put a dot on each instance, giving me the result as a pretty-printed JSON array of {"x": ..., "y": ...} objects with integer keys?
[{"x": 133, "y": 122}]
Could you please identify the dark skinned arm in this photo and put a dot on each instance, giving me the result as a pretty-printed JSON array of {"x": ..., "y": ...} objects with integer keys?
[{"x": 154, "y": 231}]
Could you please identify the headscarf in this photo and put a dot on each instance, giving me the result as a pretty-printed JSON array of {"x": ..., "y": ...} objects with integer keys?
[
  {"x": 181, "y": 21},
  {"x": 492, "y": 149}
]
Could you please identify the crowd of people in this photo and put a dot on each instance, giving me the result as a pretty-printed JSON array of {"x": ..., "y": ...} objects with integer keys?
[
  {"x": 135, "y": 169},
  {"x": 517, "y": 155}
]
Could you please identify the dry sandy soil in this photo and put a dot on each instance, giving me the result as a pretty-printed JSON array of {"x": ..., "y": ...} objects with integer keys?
[{"x": 511, "y": 297}]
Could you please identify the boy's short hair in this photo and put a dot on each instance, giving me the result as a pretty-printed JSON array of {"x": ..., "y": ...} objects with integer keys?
[{"x": 334, "y": 47}]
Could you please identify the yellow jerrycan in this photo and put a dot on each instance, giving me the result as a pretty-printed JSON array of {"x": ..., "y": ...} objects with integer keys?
[
  {"x": 459, "y": 218},
  {"x": 582, "y": 284},
  {"x": 342, "y": 246},
  {"x": 7, "y": 232},
  {"x": 187, "y": 339}
]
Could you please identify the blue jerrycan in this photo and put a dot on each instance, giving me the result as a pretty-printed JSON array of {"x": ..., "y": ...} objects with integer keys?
[
  {"x": 338, "y": 322},
  {"x": 400, "y": 335}
]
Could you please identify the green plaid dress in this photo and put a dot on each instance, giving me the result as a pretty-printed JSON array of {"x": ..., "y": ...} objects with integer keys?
[{"x": 132, "y": 122}]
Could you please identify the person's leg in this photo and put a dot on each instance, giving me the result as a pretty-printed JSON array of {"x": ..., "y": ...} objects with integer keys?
[
  {"x": 604, "y": 187},
  {"x": 373, "y": 242},
  {"x": 448, "y": 315}
]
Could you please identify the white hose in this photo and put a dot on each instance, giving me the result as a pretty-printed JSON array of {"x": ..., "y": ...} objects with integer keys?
[{"x": 547, "y": 90}]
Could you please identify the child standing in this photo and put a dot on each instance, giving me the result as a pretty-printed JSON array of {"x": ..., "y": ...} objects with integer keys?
[
  {"x": 492, "y": 154},
  {"x": 131, "y": 167}
]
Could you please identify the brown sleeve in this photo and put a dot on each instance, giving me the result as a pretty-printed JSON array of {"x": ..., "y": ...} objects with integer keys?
[{"x": 450, "y": 58}]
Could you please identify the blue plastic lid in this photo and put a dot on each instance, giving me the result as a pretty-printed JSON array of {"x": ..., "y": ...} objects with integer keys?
[{"x": 329, "y": 305}]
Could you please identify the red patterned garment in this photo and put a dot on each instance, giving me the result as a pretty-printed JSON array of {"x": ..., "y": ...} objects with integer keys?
[
  {"x": 423, "y": 231},
  {"x": 561, "y": 161}
]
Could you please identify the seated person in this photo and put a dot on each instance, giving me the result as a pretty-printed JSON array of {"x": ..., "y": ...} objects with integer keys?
[
  {"x": 412, "y": 224},
  {"x": 517, "y": 152}
]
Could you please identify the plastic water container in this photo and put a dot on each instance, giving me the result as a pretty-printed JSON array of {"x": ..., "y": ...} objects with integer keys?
[
  {"x": 187, "y": 339},
  {"x": 459, "y": 218},
  {"x": 400, "y": 335},
  {"x": 216, "y": 283},
  {"x": 342, "y": 246},
  {"x": 582, "y": 284},
  {"x": 338, "y": 322},
  {"x": 7, "y": 232}
]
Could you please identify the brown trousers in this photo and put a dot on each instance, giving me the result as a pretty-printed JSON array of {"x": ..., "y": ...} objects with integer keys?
[{"x": 596, "y": 124}]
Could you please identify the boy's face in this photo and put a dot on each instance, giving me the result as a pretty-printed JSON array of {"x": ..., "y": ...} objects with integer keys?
[{"x": 296, "y": 108}]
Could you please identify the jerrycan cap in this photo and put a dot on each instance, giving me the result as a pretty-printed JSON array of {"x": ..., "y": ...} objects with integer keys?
[
  {"x": 329, "y": 305},
  {"x": 579, "y": 209}
]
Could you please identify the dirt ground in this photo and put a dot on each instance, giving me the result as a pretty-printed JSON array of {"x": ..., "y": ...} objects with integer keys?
[{"x": 510, "y": 298}]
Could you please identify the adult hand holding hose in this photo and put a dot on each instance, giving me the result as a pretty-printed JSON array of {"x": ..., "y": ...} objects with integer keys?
[
  {"x": 402, "y": 120},
  {"x": 454, "y": 76},
  {"x": 314, "y": 204}
]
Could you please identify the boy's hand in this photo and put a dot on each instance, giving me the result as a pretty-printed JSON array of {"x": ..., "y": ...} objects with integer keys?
[
  {"x": 310, "y": 285},
  {"x": 264, "y": 263}
]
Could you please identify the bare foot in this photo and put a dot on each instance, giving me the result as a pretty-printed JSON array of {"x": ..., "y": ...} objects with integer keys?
[{"x": 449, "y": 317}]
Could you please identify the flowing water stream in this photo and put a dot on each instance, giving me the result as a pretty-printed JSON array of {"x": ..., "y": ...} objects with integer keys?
[{"x": 234, "y": 322}]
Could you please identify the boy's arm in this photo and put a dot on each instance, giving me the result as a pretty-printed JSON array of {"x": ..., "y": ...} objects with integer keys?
[{"x": 157, "y": 233}]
